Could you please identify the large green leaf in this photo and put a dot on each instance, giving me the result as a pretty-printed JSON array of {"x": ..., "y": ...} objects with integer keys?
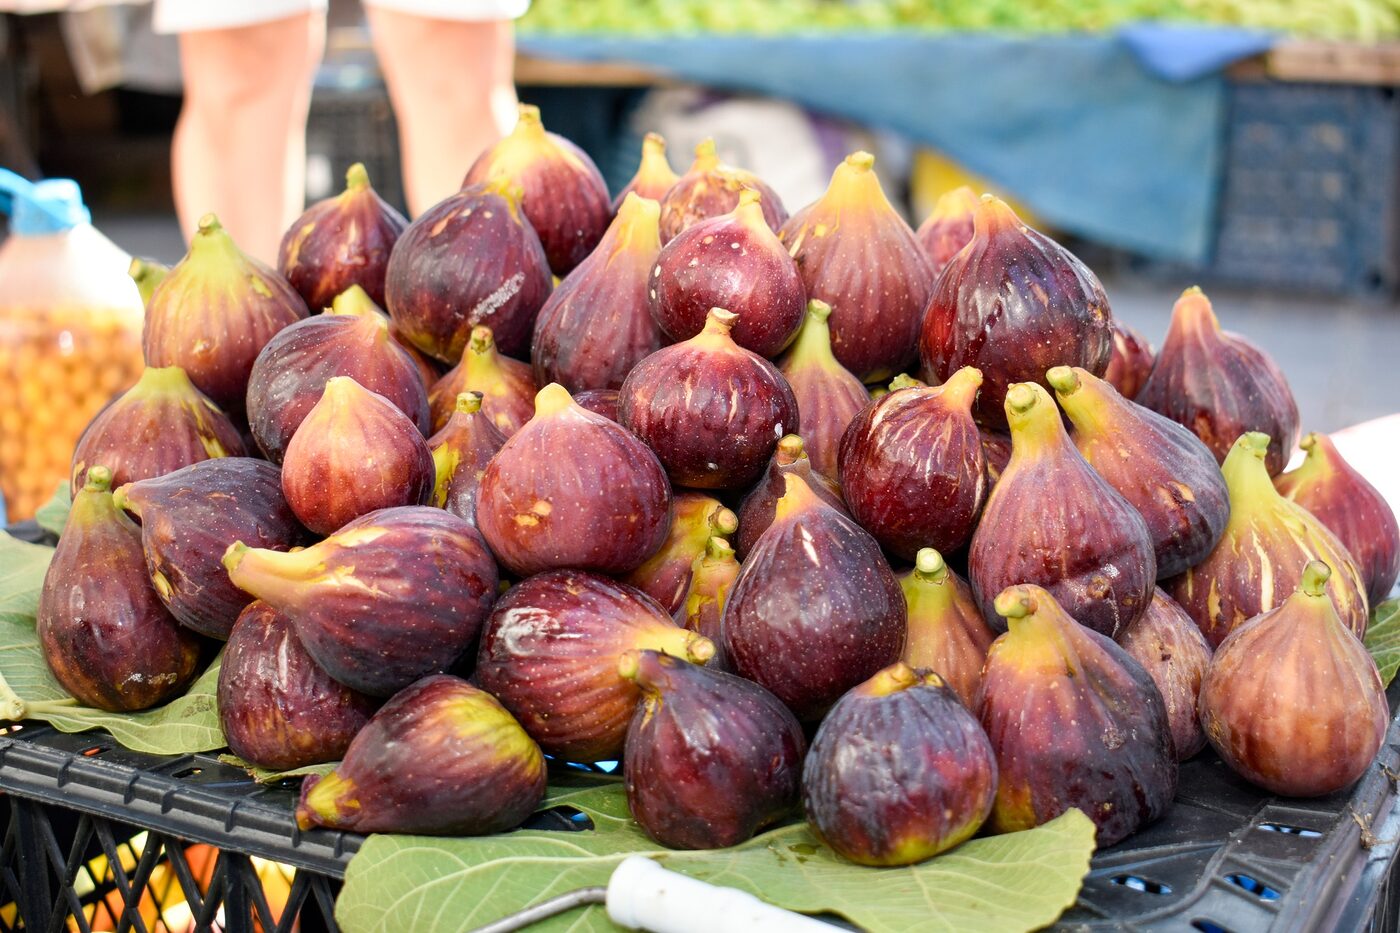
[
  {"x": 1383, "y": 638},
  {"x": 53, "y": 515}
]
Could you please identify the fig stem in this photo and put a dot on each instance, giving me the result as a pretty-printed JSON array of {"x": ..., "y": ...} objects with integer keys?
[
  {"x": 356, "y": 177},
  {"x": 551, "y": 400},
  {"x": 699, "y": 649},
  {"x": 992, "y": 215},
  {"x": 860, "y": 160},
  {"x": 12, "y": 707},
  {"x": 706, "y": 158},
  {"x": 1315, "y": 577},
  {"x": 1015, "y": 602},
  {"x": 1063, "y": 379},
  {"x": 637, "y": 226},
  {"x": 723, "y": 522},
  {"x": 790, "y": 449},
  {"x": 629, "y": 664},
  {"x": 930, "y": 566},
  {"x": 812, "y": 346},
  {"x": 481, "y": 340},
  {"x": 99, "y": 479},
  {"x": 797, "y": 496},
  {"x": 1034, "y": 421},
  {"x": 1194, "y": 312},
  {"x": 720, "y": 321},
  {"x": 961, "y": 387},
  {"x": 718, "y": 548},
  {"x": 528, "y": 119},
  {"x": 122, "y": 500},
  {"x": 904, "y": 381},
  {"x": 468, "y": 403},
  {"x": 749, "y": 212},
  {"x": 898, "y": 676}
]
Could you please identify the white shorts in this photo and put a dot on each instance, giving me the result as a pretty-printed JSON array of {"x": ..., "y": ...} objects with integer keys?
[{"x": 175, "y": 16}]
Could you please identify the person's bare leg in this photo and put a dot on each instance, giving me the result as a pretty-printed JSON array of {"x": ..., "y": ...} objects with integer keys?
[
  {"x": 240, "y": 144},
  {"x": 453, "y": 90}
]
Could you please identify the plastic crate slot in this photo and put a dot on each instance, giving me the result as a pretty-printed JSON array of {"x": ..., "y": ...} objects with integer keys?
[
  {"x": 1254, "y": 886},
  {"x": 1290, "y": 830},
  {"x": 1138, "y": 883},
  {"x": 188, "y": 772},
  {"x": 12, "y": 728},
  {"x": 1210, "y": 926},
  {"x": 92, "y": 751}
]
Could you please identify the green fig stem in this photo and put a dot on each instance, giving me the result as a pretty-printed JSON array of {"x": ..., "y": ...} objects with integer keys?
[
  {"x": 1033, "y": 418},
  {"x": 961, "y": 387},
  {"x": 99, "y": 479},
  {"x": 637, "y": 226},
  {"x": 929, "y": 566},
  {"x": 121, "y": 498},
  {"x": 1247, "y": 477},
  {"x": 468, "y": 403},
  {"x": 163, "y": 381},
  {"x": 654, "y": 164},
  {"x": 551, "y": 400},
  {"x": 994, "y": 214},
  {"x": 629, "y": 664},
  {"x": 791, "y": 449},
  {"x": 860, "y": 161},
  {"x": 723, "y": 522},
  {"x": 812, "y": 346},
  {"x": 12, "y": 707},
  {"x": 893, "y": 679},
  {"x": 797, "y": 495},
  {"x": 356, "y": 177},
  {"x": 854, "y": 185},
  {"x": 1015, "y": 602},
  {"x": 719, "y": 322},
  {"x": 481, "y": 340},
  {"x": 749, "y": 211},
  {"x": 718, "y": 549},
  {"x": 355, "y": 302},
  {"x": 706, "y": 158},
  {"x": 528, "y": 120},
  {"x": 209, "y": 224},
  {"x": 147, "y": 274},
  {"x": 1315, "y": 577},
  {"x": 1063, "y": 380},
  {"x": 1319, "y": 458},
  {"x": 904, "y": 381}
]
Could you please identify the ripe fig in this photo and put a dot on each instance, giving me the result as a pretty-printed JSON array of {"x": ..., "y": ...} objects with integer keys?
[
  {"x": 563, "y": 194},
  {"x": 816, "y": 610},
  {"x": 441, "y": 758},
  {"x": 572, "y": 489},
  {"x": 1162, "y": 469},
  {"x": 1219, "y": 385},
  {"x": 711, "y": 410},
  {"x": 828, "y": 396},
  {"x": 949, "y": 228},
  {"x": 355, "y": 301},
  {"x": 654, "y": 175},
  {"x": 947, "y": 634},
  {"x": 278, "y": 709},
  {"x": 1260, "y": 557},
  {"x": 1074, "y": 722},
  {"x": 1351, "y": 508},
  {"x": 600, "y": 401},
  {"x": 1175, "y": 655},
  {"x": 354, "y": 453},
  {"x": 104, "y": 633},
  {"x": 471, "y": 259},
  {"x": 1054, "y": 522},
  {"x": 712, "y": 576},
  {"x": 214, "y": 313},
  {"x": 341, "y": 241},
  {"x": 507, "y": 387},
  {"x": 996, "y": 450},
  {"x": 596, "y": 325},
  {"x": 157, "y": 426},
  {"x": 1013, "y": 303},
  {"x": 190, "y": 517},
  {"x": 1327, "y": 711},
  {"x": 858, "y": 255},
  {"x": 710, "y": 188},
  {"x": 899, "y": 770},
  {"x": 1131, "y": 362},
  {"x": 756, "y": 511},
  {"x": 550, "y": 653},
  {"x": 665, "y": 575},
  {"x": 710, "y": 758},
  {"x": 461, "y": 451},
  {"x": 912, "y": 468},
  {"x": 392, "y": 596},
  {"x": 147, "y": 274}
]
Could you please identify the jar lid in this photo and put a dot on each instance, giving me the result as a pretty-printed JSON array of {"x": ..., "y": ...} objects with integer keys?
[{"x": 35, "y": 208}]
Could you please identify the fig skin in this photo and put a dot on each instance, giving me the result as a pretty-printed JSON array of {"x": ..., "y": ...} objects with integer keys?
[
  {"x": 1052, "y": 521},
  {"x": 1162, "y": 469},
  {"x": 563, "y": 194},
  {"x": 828, "y": 396},
  {"x": 147, "y": 274},
  {"x": 391, "y": 597},
  {"x": 1260, "y": 558},
  {"x": 550, "y": 653},
  {"x": 596, "y": 325},
  {"x": 1220, "y": 385},
  {"x": 665, "y": 575},
  {"x": 600, "y": 401},
  {"x": 654, "y": 175},
  {"x": 214, "y": 313},
  {"x": 354, "y": 453},
  {"x": 354, "y": 301},
  {"x": 472, "y": 259},
  {"x": 712, "y": 576},
  {"x": 1074, "y": 722},
  {"x": 461, "y": 451},
  {"x": 157, "y": 426},
  {"x": 1351, "y": 508},
  {"x": 710, "y": 758},
  {"x": 858, "y": 255},
  {"x": 899, "y": 770},
  {"x": 1013, "y": 303},
  {"x": 710, "y": 188},
  {"x": 912, "y": 468},
  {"x": 507, "y": 386},
  {"x": 278, "y": 709},
  {"x": 760, "y": 503},
  {"x": 1327, "y": 707},
  {"x": 572, "y": 489},
  {"x": 711, "y": 410},
  {"x": 1131, "y": 362},
  {"x": 946, "y": 634},
  {"x": 815, "y": 610},
  {"x": 996, "y": 450},
  {"x": 190, "y": 517},
  {"x": 949, "y": 228},
  {"x": 105, "y": 635},
  {"x": 341, "y": 241},
  {"x": 441, "y": 758},
  {"x": 1175, "y": 655}
]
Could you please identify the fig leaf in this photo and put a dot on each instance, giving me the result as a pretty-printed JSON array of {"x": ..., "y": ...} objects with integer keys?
[
  {"x": 1383, "y": 638},
  {"x": 268, "y": 776},
  {"x": 53, "y": 515}
]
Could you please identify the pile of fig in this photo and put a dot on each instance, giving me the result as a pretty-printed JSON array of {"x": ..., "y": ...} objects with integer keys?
[{"x": 670, "y": 509}]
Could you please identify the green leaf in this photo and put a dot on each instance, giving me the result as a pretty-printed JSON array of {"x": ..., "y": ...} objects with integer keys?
[
  {"x": 53, "y": 515},
  {"x": 1017, "y": 882},
  {"x": 268, "y": 776},
  {"x": 1383, "y": 638}
]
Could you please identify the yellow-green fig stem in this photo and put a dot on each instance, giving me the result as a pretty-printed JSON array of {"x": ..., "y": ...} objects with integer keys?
[
  {"x": 893, "y": 679},
  {"x": 655, "y": 167},
  {"x": 797, "y": 496},
  {"x": 723, "y": 522},
  {"x": 99, "y": 479},
  {"x": 147, "y": 274},
  {"x": 356, "y": 177},
  {"x": 637, "y": 225},
  {"x": 749, "y": 211},
  {"x": 904, "y": 381},
  {"x": 468, "y": 403},
  {"x": 1315, "y": 577},
  {"x": 854, "y": 185},
  {"x": 355, "y": 302},
  {"x": 706, "y": 158},
  {"x": 1033, "y": 418},
  {"x": 930, "y": 566},
  {"x": 551, "y": 400},
  {"x": 1247, "y": 477},
  {"x": 993, "y": 214},
  {"x": 961, "y": 387},
  {"x": 791, "y": 448}
]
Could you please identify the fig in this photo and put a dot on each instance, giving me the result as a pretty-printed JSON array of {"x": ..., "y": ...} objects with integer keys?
[
  {"x": 654, "y": 175},
  {"x": 947, "y": 634},
  {"x": 1162, "y": 469},
  {"x": 899, "y": 770},
  {"x": 710, "y": 188},
  {"x": 147, "y": 274},
  {"x": 1052, "y": 521},
  {"x": 1327, "y": 711},
  {"x": 1260, "y": 557},
  {"x": 461, "y": 451},
  {"x": 507, "y": 387},
  {"x": 551, "y": 650},
  {"x": 1351, "y": 508},
  {"x": 563, "y": 194},
  {"x": 1074, "y": 722},
  {"x": 441, "y": 758},
  {"x": 815, "y": 610},
  {"x": 949, "y": 228},
  {"x": 293, "y": 370},
  {"x": 756, "y": 511},
  {"x": 710, "y": 758},
  {"x": 665, "y": 575},
  {"x": 1175, "y": 655},
  {"x": 355, "y": 452},
  {"x": 1219, "y": 385},
  {"x": 278, "y": 709},
  {"x": 356, "y": 302},
  {"x": 341, "y": 241},
  {"x": 191, "y": 516},
  {"x": 857, "y": 254},
  {"x": 712, "y": 410},
  {"x": 1013, "y": 303},
  {"x": 912, "y": 468},
  {"x": 996, "y": 450},
  {"x": 596, "y": 325},
  {"x": 104, "y": 633},
  {"x": 471, "y": 259},
  {"x": 392, "y": 596},
  {"x": 712, "y": 576},
  {"x": 828, "y": 396},
  {"x": 599, "y": 401},
  {"x": 572, "y": 489},
  {"x": 155, "y": 427},
  {"x": 1131, "y": 362}
]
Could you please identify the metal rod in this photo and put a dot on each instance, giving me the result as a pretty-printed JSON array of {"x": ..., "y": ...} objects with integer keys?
[{"x": 550, "y": 908}]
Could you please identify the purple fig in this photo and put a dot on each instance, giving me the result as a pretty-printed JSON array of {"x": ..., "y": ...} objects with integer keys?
[
  {"x": 1175, "y": 655},
  {"x": 147, "y": 274},
  {"x": 996, "y": 450},
  {"x": 600, "y": 401},
  {"x": 756, "y": 511},
  {"x": 461, "y": 451},
  {"x": 949, "y": 228},
  {"x": 354, "y": 301},
  {"x": 1131, "y": 362},
  {"x": 507, "y": 387},
  {"x": 947, "y": 634},
  {"x": 828, "y": 396},
  {"x": 654, "y": 175},
  {"x": 712, "y": 576},
  {"x": 710, "y": 188},
  {"x": 665, "y": 575}
]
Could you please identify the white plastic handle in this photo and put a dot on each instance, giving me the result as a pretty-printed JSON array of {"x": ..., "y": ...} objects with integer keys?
[{"x": 644, "y": 896}]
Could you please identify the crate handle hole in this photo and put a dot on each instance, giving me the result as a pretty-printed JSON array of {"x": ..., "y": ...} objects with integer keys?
[
  {"x": 188, "y": 772},
  {"x": 12, "y": 728},
  {"x": 1209, "y": 926},
  {"x": 1138, "y": 883},
  {"x": 93, "y": 751},
  {"x": 1289, "y": 830},
  {"x": 1254, "y": 886}
]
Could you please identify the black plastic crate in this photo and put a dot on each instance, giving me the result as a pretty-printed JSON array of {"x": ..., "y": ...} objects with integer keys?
[{"x": 349, "y": 125}]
